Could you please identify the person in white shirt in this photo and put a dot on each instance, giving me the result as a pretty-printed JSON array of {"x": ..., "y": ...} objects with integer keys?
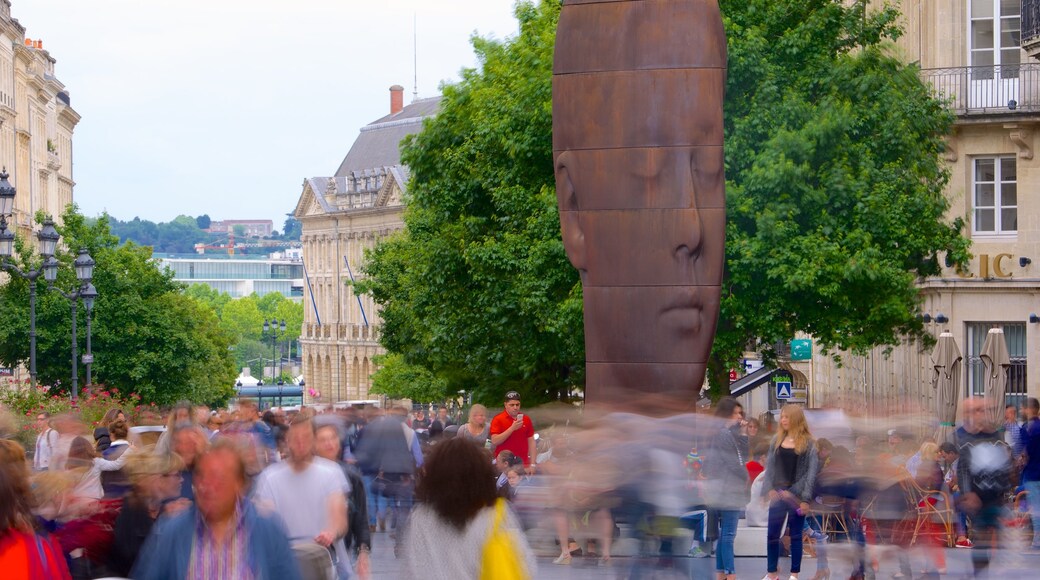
[
  {"x": 44, "y": 442},
  {"x": 309, "y": 493}
]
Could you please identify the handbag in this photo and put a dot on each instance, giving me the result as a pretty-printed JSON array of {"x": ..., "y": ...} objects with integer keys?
[{"x": 499, "y": 559}]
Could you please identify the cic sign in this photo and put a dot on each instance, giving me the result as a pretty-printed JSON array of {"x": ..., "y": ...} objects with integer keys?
[{"x": 995, "y": 266}]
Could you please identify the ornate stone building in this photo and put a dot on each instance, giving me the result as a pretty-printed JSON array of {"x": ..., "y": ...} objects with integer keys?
[
  {"x": 342, "y": 216},
  {"x": 36, "y": 125}
]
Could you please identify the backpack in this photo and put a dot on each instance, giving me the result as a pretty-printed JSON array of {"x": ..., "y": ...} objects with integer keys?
[{"x": 499, "y": 559}]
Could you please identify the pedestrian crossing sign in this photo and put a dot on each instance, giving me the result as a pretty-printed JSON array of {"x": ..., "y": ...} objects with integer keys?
[{"x": 783, "y": 390}]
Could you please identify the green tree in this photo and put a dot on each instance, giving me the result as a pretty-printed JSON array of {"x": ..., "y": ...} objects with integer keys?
[
  {"x": 203, "y": 221},
  {"x": 147, "y": 337},
  {"x": 292, "y": 229},
  {"x": 209, "y": 296},
  {"x": 477, "y": 289},
  {"x": 399, "y": 380},
  {"x": 834, "y": 191}
]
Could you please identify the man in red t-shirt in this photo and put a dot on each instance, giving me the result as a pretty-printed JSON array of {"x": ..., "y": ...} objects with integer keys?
[{"x": 512, "y": 430}]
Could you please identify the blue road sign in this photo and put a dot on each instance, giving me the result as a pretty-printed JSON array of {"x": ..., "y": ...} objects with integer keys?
[{"x": 783, "y": 390}]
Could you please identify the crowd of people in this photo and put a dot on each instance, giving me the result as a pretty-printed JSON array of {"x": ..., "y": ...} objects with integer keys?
[{"x": 247, "y": 494}]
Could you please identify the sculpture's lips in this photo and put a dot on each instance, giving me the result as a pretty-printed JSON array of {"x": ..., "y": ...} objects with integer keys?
[{"x": 685, "y": 302}]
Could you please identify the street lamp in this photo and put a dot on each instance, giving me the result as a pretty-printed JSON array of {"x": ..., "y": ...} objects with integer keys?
[
  {"x": 48, "y": 240},
  {"x": 88, "y": 295},
  {"x": 273, "y": 326},
  {"x": 84, "y": 266}
]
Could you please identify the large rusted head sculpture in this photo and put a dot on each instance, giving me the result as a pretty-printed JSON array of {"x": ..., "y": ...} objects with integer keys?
[{"x": 637, "y": 143}]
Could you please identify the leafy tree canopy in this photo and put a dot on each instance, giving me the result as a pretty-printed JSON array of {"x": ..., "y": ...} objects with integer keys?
[
  {"x": 399, "y": 380},
  {"x": 834, "y": 191},
  {"x": 147, "y": 337}
]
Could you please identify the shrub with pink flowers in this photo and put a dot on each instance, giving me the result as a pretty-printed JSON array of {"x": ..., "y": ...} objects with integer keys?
[{"x": 91, "y": 406}]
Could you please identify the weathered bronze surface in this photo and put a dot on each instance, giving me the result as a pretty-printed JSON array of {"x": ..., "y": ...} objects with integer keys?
[{"x": 637, "y": 142}]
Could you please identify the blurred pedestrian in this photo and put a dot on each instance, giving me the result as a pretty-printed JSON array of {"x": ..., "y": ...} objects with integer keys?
[
  {"x": 358, "y": 539},
  {"x": 440, "y": 423},
  {"x": 1012, "y": 431},
  {"x": 457, "y": 509},
  {"x": 155, "y": 481},
  {"x": 1031, "y": 470},
  {"x": 984, "y": 474},
  {"x": 310, "y": 494},
  {"x": 221, "y": 536},
  {"x": 183, "y": 413},
  {"x": 102, "y": 439},
  {"x": 790, "y": 477},
  {"x": 388, "y": 451},
  {"x": 116, "y": 483},
  {"x": 726, "y": 475},
  {"x": 45, "y": 441},
  {"x": 88, "y": 467},
  {"x": 188, "y": 444},
  {"x": 476, "y": 428},
  {"x": 25, "y": 552}
]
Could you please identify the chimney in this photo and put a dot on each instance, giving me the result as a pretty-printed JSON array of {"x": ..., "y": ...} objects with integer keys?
[{"x": 396, "y": 99}]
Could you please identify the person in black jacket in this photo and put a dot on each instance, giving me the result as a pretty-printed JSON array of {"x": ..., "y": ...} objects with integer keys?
[
  {"x": 102, "y": 438},
  {"x": 156, "y": 480},
  {"x": 725, "y": 468},
  {"x": 358, "y": 539}
]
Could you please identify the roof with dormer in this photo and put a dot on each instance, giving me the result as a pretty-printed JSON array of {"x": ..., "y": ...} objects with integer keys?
[{"x": 378, "y": 144}]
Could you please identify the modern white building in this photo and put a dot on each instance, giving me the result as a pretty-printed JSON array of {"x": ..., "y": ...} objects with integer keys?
[{"x": 239, "y": 276}]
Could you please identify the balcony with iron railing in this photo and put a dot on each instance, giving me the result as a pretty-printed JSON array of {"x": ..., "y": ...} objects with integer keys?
[
  {"x": 1031, "y": 27},
  {"x": 988, "y": 90}
]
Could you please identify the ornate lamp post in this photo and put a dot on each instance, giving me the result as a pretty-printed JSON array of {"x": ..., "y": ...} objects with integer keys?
[
  {"x": 273, "y": 326},
  {"x": 88, "y": 294},
  {"x": 48, "y": 241},
  {"x": 84, "y": 265}
]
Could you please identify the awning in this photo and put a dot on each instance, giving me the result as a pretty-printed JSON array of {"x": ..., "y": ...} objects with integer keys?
[{"x": 751, "y": 382}]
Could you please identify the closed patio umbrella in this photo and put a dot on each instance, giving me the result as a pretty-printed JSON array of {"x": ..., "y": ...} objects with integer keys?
[
  {"x": 946, "y": 380},
  {"x": 996, "y": 361}
]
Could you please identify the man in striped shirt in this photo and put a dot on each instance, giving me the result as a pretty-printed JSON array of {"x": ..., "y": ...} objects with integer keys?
[{"x": 221, "y": 537}]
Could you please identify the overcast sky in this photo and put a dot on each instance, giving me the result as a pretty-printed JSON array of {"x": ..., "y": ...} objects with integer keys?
[{"x": 224, "y": 107}]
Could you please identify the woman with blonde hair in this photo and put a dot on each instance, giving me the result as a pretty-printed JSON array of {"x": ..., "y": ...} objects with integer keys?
[
  {"x": 477, "y": 427},
  {"x": 789, "y": 479}
]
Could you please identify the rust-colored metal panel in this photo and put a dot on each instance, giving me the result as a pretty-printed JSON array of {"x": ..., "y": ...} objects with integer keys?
[
  {"x": 667, "y": 324},
  {"x": 642, "y": 178},
  {"x": 687, "y": 250},
  {"x": 642, "y": 108},
  {"x": 620, "y": 384},
  {"x": 593, "y": 33},
  {"x": 637, "y": 141}
]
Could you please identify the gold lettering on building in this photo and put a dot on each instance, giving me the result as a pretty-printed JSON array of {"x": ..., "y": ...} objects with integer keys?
[
  {"x": 997, "y": 270},
  {"x": 985, "y": 264}
]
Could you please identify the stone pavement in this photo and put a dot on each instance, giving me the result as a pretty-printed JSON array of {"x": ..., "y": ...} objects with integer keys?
[{"x": 1010, "y": 565}]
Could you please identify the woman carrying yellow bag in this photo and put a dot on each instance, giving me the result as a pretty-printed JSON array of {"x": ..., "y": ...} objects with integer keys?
[{"x": 460, "y": 529}]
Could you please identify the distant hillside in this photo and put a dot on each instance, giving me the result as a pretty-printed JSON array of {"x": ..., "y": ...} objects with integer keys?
[{"x": 180, "y": 235}]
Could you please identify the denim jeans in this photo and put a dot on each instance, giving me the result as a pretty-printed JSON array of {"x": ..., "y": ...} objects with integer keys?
[
  {"x": 724, "y": 560},
  {"x": 1033, "y": 497},
  {"x": 778, "y": 510},
  {"x": 376, "y": 501}
]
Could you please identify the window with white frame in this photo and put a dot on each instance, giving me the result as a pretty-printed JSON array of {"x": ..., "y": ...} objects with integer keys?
[{"x": 995, "y": 196}]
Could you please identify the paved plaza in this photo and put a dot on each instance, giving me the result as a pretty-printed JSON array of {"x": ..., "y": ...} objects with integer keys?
[{"x": 1010, "y": 565}]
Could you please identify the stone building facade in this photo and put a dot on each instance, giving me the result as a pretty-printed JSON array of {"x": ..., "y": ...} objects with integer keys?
[
  {"x": 37, "y": 122},
  {"x": 981, "y": 55},
  {"x": 342, "y": 216}
]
